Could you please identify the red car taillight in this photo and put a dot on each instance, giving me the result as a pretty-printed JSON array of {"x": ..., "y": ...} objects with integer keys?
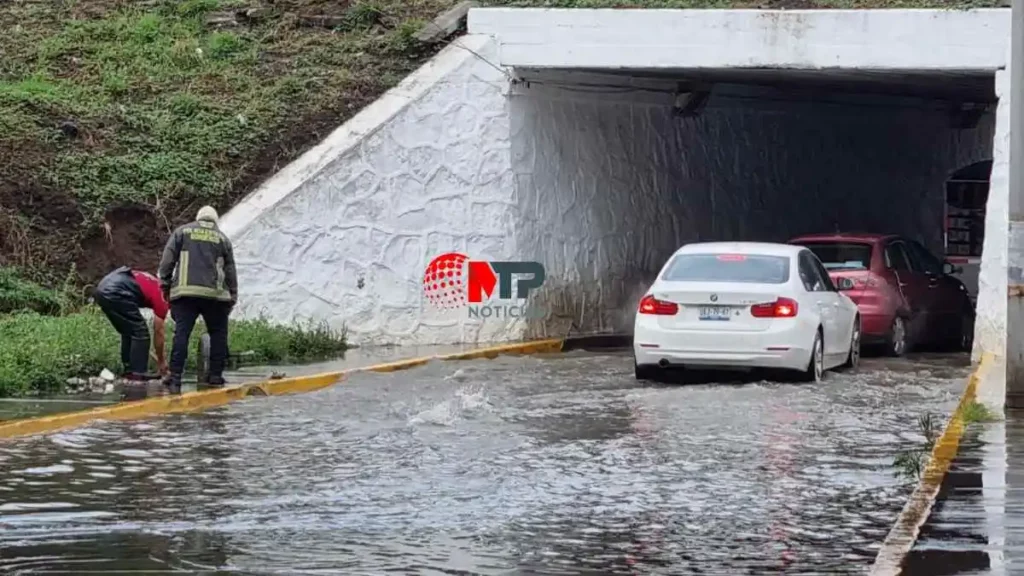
[
  {"x": 651, "y": 305},
  {"x": 781, "y": 308}
]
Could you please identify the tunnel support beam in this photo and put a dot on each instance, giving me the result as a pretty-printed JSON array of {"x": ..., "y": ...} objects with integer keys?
[{"x": 1015, "y": 268}]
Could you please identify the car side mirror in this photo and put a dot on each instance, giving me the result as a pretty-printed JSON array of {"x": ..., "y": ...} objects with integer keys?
[
  {"x": 949, "y": 269},
  {"x": 844, "y": 284}
]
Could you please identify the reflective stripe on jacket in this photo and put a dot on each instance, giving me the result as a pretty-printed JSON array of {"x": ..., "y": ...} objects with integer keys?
[{"x": 198, "y": 261}]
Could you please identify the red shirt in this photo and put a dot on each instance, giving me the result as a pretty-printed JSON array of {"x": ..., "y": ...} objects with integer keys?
[{"x": 152, "y": 293}]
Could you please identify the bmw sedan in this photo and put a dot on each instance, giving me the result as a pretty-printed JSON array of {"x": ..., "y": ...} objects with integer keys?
[{"x": 746, "y": 305}]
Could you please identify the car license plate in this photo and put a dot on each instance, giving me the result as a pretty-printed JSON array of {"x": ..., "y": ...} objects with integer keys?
[{"x": 719, "y": 313}]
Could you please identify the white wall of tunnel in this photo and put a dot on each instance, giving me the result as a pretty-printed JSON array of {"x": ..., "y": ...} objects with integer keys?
[{"x": 554, "y": 136}]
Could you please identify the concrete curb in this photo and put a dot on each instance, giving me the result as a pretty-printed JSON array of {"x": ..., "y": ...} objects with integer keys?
[
  {"x": 903, "y": 535},
  {"x": 205, "y": 399}
]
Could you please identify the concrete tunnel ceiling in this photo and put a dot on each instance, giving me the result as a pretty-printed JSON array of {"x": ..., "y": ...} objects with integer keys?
[{"x": 976, "y": 86}]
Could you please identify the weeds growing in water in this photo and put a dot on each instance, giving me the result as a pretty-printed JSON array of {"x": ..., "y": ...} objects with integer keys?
[{"x": 910, "y": 464}]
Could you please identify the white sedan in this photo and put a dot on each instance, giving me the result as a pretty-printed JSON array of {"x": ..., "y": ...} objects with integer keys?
[{"x": 744, "y": 305}]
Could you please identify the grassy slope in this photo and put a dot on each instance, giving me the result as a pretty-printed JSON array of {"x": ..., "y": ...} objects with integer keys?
[
  {"x": 108, "y": 104},
  {"x": 119, "y": 119}
]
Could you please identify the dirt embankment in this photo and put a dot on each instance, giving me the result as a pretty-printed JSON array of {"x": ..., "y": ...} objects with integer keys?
[{"x": 119, "y": 119}]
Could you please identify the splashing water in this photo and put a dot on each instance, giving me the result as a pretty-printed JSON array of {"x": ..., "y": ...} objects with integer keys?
[{"x": 466, "y": 402}]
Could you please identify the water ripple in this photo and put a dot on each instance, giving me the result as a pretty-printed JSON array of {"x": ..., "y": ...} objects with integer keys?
[{"x": 516, "y": 465}]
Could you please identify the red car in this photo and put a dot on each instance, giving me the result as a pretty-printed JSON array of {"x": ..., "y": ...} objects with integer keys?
[{"x": 906, "y": 296}]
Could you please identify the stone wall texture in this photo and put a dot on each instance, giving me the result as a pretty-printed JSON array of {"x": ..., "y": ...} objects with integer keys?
[{"x": 350, "y": 244}]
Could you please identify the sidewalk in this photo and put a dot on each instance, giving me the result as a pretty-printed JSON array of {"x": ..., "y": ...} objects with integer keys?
[{"x": 977, "y": 523}]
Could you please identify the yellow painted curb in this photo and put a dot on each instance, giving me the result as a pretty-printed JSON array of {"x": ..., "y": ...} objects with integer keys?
[
  {"x": 903, "y": 535},
  {"x": 202, "y": 400}
]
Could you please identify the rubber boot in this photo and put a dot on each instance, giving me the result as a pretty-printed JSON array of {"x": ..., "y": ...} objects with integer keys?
[{"x": 216, "y": 382}]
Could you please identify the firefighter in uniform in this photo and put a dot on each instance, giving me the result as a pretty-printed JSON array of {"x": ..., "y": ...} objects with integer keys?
[{"x": 197, "y": 275}]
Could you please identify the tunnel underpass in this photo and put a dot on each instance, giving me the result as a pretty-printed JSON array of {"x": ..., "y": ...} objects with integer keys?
[{"x": 633, "y": 165}]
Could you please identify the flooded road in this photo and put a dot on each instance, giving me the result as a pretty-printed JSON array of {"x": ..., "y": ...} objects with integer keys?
[{"x": 529, "y": 465}]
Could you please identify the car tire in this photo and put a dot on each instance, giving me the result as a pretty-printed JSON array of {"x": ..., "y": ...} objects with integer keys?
[
  {"x": 646, "y": 372},
  {"x": 965, "y": 336},
  {"x": 853, "y": 356},
  {"x": 896, "y": 341},
  {"x": 815, "y": 370}
]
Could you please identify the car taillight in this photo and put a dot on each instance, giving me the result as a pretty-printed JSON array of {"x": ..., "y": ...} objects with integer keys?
[
  {"x": 651, "y": 305},
  {"x": 781, "y": 308}
]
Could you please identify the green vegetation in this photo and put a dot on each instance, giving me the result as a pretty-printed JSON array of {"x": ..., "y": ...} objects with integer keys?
[
  {"x": 975, "y": 411},
  {"x": 166, "y": 105},
  {"x": 16, "y": 294},
  {"x": 51, "y": 349},
  {"x": 910, "y": 464},
  {"x": 50, "y": 336}
]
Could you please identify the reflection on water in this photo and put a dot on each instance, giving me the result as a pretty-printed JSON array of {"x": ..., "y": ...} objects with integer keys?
[
  {"x": 976, "y": 524},
  {"x": 516, "y": 465}
]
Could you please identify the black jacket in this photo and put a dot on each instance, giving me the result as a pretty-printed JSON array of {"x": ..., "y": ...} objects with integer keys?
[{"x": 198, "y": 261}]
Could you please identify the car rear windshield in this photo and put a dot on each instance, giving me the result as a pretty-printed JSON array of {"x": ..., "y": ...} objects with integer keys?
[
  {"x": 749, "y": 268},
  {"x": 842, "y": 255}
]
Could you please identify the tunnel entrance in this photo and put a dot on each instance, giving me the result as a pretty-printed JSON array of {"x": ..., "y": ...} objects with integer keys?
[
  {"x": 966, "y": 198},
  {"x": 633, "y": 165}
]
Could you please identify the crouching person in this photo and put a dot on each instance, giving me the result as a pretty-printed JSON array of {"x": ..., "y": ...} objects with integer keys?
[
  {"x": 122, "y": 295},
  {"x": 197, "y": 274}
]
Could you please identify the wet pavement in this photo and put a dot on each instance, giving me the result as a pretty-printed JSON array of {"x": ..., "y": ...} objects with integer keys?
[
  {"x": 519, "y": 465},
  {"x": 977, "y": 523}
]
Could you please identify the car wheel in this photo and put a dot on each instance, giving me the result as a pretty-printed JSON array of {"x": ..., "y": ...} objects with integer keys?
[
  {"x": 966, "y": 340},
  {"x": 645, "y": 372},
  {"x": 853, "y": 356},
  {"x": 815, "y": 370},
  {"x": 896, "y": 342}
]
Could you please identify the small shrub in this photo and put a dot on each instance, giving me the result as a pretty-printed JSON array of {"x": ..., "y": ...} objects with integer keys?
[
  {"x": 17, "y": 293},
  {"x": 910, "y": 464},
  {"x": 975, "y": 411}
]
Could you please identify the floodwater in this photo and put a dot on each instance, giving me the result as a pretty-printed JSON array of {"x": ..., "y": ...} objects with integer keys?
[
  {"x": 977, "y": 523},
  {"x": 518, "y": 465}
]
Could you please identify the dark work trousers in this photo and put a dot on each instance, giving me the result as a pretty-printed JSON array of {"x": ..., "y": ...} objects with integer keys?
[
  {"x": 186, "y": 311},
  {"x": 118, "y": 295}
]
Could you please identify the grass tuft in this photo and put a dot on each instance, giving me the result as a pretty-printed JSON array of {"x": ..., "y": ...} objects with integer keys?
[
  {"x": 975, "y": 411},
  {"x": 17, "y": 294}
]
